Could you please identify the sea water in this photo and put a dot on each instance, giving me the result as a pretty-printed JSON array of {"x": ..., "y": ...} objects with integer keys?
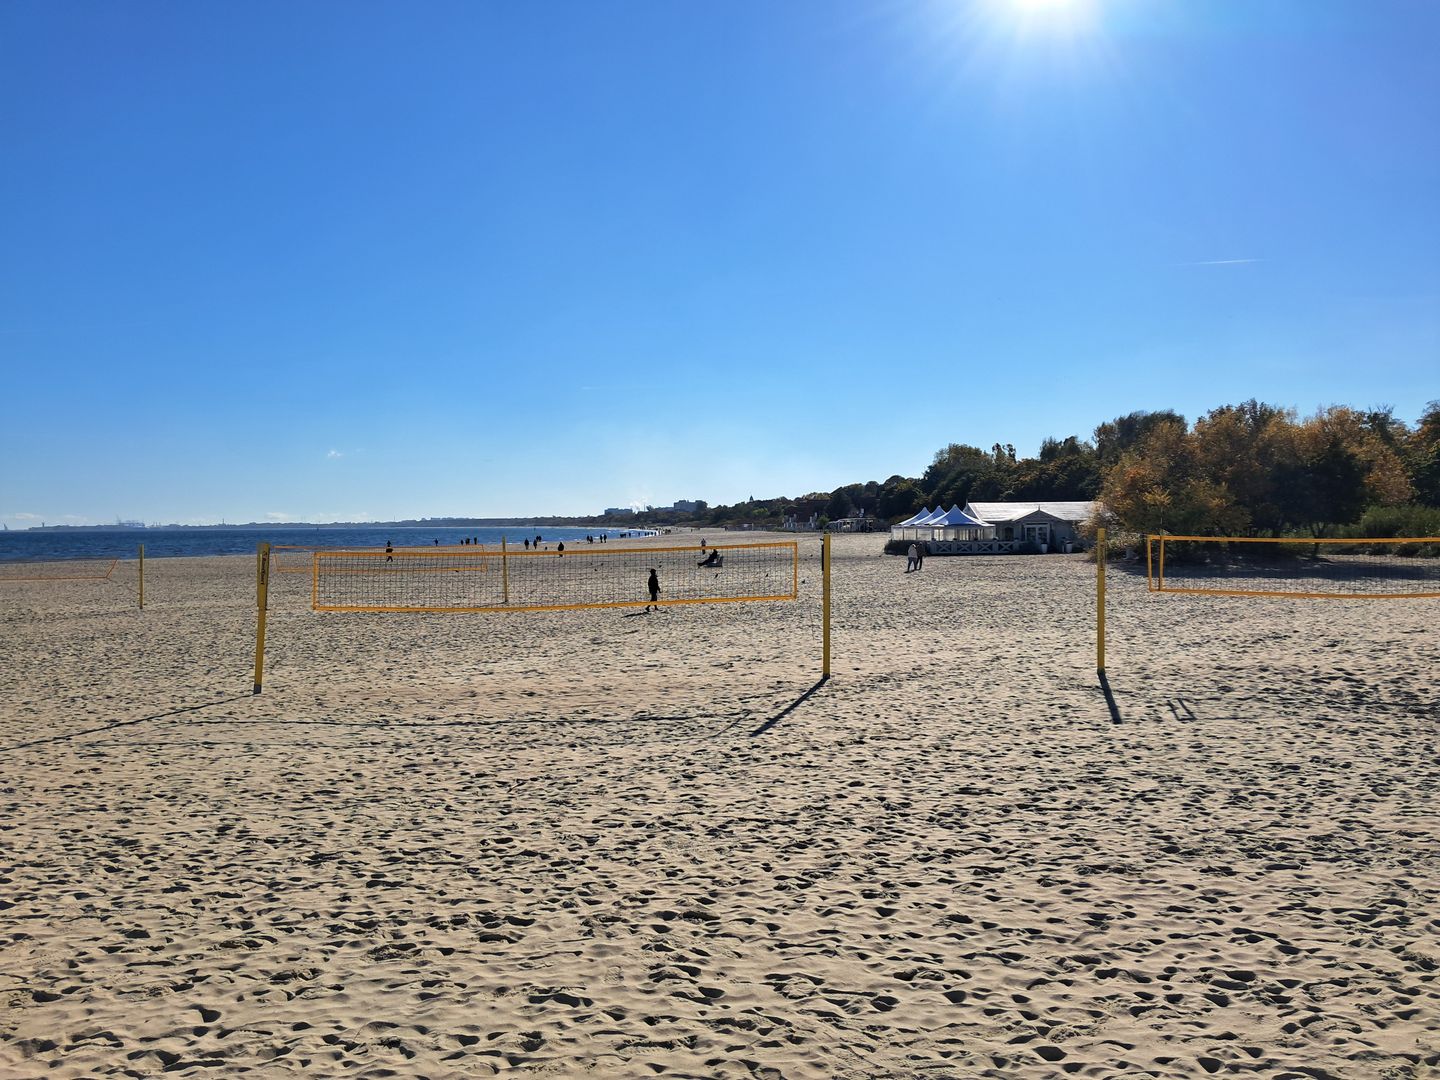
[{"x": 35, "y": 545}]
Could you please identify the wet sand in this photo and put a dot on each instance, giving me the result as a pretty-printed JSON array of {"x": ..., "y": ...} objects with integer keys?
[{"x": 614, "y": 844}]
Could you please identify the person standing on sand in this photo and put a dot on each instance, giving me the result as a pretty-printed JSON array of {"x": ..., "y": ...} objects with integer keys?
[
  {"x": 389, "y": 551},
  {"x": 654, "y": 586},
  {"x": 912, "y": 556},
  {"x": 562, "y": 549},
  {"x": 919, "y": 554}
]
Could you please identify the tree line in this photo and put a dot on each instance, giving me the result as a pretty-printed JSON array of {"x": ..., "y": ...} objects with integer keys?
[{"x": 1249, "y": 469}]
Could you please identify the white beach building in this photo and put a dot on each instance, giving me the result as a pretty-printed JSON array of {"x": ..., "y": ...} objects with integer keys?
[
  {"x": 997, "y": 528},
  {"x": 1052, "y": 525}
]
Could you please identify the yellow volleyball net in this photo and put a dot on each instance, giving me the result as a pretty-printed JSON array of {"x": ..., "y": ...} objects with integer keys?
[
  {"x": 292, "y": 558},
  {"x": 471, "y": 579},
  {"x": 64, "y": 570},
  {"x": 1374, "y": 569},
  {"x": 300, "y": 558}
]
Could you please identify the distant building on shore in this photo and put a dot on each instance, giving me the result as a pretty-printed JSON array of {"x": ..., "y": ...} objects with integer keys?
[
  {"x": 997, "y": 528},
  {"x": 858, "y": 523},
  {"x": 618, "y": 511},
  {"x": 1051, "y": 524}
]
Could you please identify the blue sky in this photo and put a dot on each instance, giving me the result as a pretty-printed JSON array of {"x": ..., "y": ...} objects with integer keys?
[{"x": 376, "y": 260}]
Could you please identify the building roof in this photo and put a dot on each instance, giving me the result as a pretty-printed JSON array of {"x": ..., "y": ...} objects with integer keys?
[{"x": 1010, "y": 511}]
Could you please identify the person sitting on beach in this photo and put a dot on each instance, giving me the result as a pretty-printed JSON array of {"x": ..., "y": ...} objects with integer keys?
[{"x": 713, "y": 559}]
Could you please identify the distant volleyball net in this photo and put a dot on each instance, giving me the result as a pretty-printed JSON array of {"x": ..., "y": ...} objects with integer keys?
[
  {"x": 1375, "y": 569},
  {"x": 292, "y": 558},
  {"x": 67, "y": 570},
  {"x": 497, "y": 579}
]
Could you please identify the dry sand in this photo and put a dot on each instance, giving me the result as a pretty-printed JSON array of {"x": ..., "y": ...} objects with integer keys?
[{"x": 602, "y": 843}]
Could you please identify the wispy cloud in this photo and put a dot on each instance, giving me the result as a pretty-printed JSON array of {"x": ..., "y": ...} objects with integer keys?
[
  {"x": 334, "y": 454},
  {"x": 277, "y": 515},
  {"x": 1223, "y": 262}
]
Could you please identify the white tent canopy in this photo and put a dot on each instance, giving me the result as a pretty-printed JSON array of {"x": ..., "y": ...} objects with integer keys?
[
  {"x": 922, "y": 515},
  {"x": 942, "y": 524},
  {"x": 955, "y": 517}
]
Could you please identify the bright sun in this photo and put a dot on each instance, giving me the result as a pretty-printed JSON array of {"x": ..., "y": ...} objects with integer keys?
[{"x": 1070, "y": 14}]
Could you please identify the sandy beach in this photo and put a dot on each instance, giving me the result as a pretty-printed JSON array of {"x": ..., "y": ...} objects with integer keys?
[{"x": 625, "y": 845}]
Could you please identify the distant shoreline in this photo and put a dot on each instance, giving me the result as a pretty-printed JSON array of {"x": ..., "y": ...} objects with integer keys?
[{"x": 424, "y": 523}]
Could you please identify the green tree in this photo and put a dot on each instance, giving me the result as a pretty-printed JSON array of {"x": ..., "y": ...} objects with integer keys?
[
  {"x": 1158, "y": 485},
  {"x": 1422, "y": 456},
  {"x": 899, "y": 498},
  {"x": 961, "y": 473},
  {"x": 1341, "y": 468},
  {"x": 1114, "y": 437},
  {"x": 1244, "y": 448}
]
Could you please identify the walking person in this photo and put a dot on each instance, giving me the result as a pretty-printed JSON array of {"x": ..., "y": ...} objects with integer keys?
[
  {"x": 654, "y": 586},
  {"x": 912, "y": 558},
  {"x": 919, "y": 554}
]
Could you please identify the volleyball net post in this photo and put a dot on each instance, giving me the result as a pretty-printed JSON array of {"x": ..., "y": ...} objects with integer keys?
[
  {"x": 825, "y": 606},
  {"x": 142, "y": 577},
  {"x": 262, "y": 591}
]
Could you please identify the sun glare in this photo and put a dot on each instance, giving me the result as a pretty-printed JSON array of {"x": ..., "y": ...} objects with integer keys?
[{"x": 1047, "y": 15}]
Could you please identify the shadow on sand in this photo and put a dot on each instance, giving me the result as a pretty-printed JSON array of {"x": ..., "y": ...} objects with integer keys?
[
  {"x": 763, "y": 728},
  {"x": 124, "y": 723},
  {"x": 1109, "y": 697}
]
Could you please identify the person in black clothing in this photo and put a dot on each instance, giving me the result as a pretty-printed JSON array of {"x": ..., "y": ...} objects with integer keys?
[
  {"x": 713, "y": 559},
  {"x": 654, "y": 586}
]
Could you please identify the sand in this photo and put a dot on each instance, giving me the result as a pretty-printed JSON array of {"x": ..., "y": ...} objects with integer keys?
[{"x": 610, "y": 844}]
